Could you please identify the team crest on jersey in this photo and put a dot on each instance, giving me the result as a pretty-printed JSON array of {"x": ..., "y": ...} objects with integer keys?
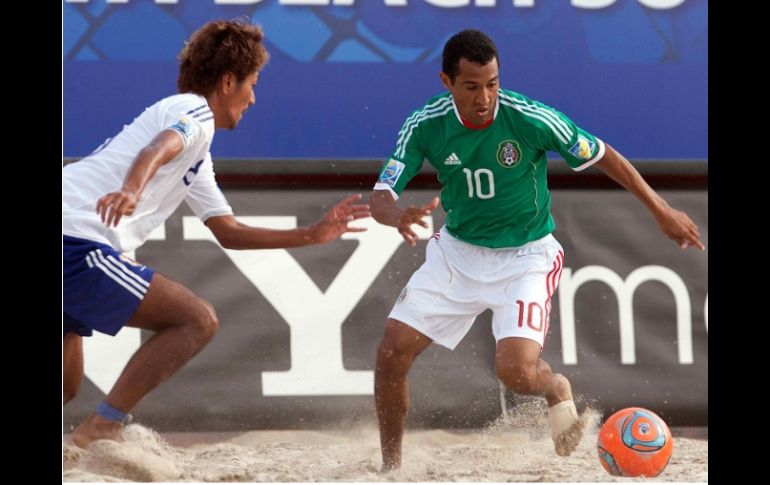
[
  {"x": 391, "y": 173},
  {"x": 508, "y": 153},
  {"x": 184, "y": 127},
  {"x": 583, "y": 148}
]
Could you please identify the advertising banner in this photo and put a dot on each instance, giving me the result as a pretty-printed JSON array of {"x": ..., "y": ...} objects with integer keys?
[
  {"x": 344, "y": 74},
  {"x": 299, "y": 328}
]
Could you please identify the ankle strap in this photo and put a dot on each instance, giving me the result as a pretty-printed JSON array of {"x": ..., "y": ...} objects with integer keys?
[{"x": 112, "y": 414}]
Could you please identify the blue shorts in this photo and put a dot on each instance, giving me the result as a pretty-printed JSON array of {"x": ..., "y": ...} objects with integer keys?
[{"x": 102, "y": 288}]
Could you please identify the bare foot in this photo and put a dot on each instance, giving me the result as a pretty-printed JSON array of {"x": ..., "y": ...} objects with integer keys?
[
  {"x": 390, "y": 467},
  {"x": 97, "y": 428},
  {"x": 566, "y": 426},
  {"x": 567, "y": 441}
]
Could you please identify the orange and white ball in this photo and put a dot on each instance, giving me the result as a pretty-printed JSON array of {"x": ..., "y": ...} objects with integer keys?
[{"x": 634, "y": 442}]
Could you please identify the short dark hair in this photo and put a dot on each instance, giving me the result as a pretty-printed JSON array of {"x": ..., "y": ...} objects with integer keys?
[
  {"x": 218, "y": 47},
  {"x": 470, "y": 44}
]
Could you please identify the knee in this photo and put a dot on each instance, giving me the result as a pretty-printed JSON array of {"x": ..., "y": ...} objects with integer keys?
[
  {"x": 519, "y": 377},
  {"x": 393, "y": 358},
  {"x": 206, "y": 322},
  {"x": 210, "y": 322}
]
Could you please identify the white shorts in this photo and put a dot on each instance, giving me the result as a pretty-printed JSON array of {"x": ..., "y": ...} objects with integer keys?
[{"x": 458, "y": 281}]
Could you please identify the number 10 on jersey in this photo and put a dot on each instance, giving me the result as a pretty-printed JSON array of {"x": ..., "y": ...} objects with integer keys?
[{"x": 476, "y": 188}]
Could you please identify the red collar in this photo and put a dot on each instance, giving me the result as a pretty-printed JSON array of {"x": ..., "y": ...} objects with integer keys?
[{"x": 470, "y": 125}]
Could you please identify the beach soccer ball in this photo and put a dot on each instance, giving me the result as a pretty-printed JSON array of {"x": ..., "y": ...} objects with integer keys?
[{"x": 634, "y": 442}]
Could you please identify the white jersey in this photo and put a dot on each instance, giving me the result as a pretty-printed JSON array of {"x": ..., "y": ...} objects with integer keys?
[{"x": 189, "y": 176}]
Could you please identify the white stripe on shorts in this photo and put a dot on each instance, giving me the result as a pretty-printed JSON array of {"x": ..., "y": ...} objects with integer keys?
[{"x": 118, "y": 277}]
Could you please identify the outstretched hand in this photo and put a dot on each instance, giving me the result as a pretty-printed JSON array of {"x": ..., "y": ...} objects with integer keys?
[
  {"x": 678, "y": 226},
  {"x": 414, "y": 215},
  {"x": 113, "y": 206},
  {"x": 335, "y": 222}
]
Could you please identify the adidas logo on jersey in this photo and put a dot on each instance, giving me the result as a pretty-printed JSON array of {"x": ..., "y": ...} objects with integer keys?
[{"x": 452, "y": 159}]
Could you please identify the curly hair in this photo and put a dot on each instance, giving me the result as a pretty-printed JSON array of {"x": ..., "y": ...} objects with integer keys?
[
  {"x": 218, "y": 47},
  {"x": 470, "y": 44}
]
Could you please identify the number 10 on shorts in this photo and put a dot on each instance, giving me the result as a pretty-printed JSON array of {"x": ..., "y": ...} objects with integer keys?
[{"x": 530, "y": 310}]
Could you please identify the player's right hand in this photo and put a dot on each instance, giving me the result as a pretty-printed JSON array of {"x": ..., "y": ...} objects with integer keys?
[
  {"x": 115, "y": 205},
  {"x": 414, "y": 215}
]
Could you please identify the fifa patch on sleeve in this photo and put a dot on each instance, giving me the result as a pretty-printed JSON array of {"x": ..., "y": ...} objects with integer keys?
[
  {"x": 185, "y": 128},
  {"x": 391, "y": 173},
  {"x": 583, "y": 148}
]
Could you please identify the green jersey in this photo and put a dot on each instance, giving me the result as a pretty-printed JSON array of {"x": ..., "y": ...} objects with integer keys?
[{"x": 494, "y": 184}]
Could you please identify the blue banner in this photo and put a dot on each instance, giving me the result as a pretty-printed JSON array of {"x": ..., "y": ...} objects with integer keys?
[{"x": 345, "y": 74}]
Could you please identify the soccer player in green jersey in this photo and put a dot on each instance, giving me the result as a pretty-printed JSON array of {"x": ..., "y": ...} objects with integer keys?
[{"x": 496, "y": 250}]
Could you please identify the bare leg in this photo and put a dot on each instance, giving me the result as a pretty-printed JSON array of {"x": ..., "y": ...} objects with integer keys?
[
  {"x": 72, "y": 365},
  {"x": 521, "y": 369},
  {"x": 398, "y": 348},
  {"x": 184, "y": 324}
]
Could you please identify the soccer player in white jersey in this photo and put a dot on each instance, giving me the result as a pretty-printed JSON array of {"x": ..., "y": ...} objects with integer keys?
[
  {"x": 496, "y": 250},
  {"x": 115, "y": 197}
]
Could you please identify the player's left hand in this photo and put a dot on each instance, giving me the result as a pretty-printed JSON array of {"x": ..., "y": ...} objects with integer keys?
[
  {"x": 678, "y": 226},
  {"x": 335, "y": 222},
  {"x": 113, "y": 206}
]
